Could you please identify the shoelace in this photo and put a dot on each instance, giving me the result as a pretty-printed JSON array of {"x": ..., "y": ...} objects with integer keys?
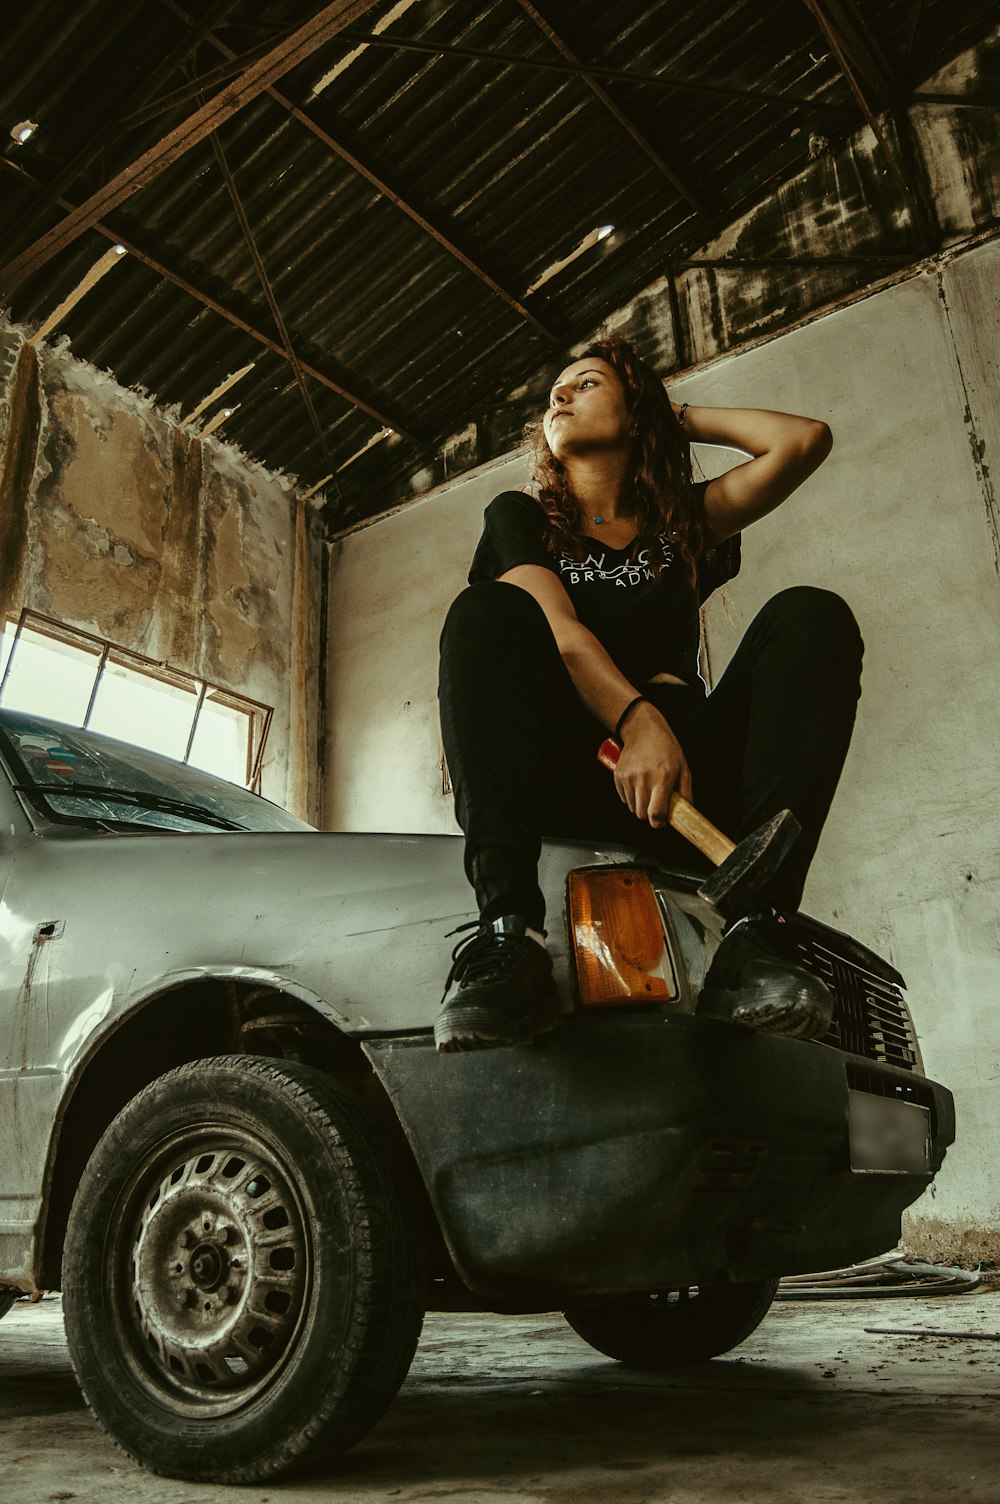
[
  {"x": 768, "y": 935},
  {"x": 482, "y": 957},
  {"x": 752, "y": 917}
]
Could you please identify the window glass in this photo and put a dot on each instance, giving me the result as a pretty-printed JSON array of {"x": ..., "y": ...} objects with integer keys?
[
  {"x": 149, "y": 712},
  {"x": 61, "y": 672},
  {"x": 221, "y": 740},
  {"x": 48, "y": 676}
]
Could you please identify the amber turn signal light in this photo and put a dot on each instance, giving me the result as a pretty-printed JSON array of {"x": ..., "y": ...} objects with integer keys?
[{"x": 618, "y": 940}]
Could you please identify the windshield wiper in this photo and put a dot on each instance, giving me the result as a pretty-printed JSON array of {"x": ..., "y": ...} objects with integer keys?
[{"x": 160, "y": 802}]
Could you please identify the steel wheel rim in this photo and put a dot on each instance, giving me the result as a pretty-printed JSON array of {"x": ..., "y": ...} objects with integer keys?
[{"x": 210, "y": 1257}]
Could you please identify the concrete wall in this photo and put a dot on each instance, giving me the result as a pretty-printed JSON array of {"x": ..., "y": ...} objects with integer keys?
[
  {"x": 391, "y": 584},
  {"x": 115, "y": 521},
  {"x": 902, "y": 521}
]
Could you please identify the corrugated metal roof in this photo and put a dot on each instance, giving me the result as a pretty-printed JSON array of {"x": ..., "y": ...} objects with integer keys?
[{"x": 510, "y": 156}]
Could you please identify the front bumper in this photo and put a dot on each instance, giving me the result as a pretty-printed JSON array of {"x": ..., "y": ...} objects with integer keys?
[{"x": 633, "y": 1151}]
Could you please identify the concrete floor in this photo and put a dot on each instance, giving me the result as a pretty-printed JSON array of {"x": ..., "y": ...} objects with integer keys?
[{"x": 500, "y": 1410}]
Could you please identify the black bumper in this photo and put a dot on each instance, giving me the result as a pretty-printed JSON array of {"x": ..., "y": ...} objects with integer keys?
[{"x": 634, "y": 1152}]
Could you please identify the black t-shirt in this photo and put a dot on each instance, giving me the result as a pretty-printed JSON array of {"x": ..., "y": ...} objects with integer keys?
[{"x": 639, "y": 604}]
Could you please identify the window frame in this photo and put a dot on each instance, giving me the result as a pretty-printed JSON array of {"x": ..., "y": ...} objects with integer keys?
[{"x": 259, "y": 715}]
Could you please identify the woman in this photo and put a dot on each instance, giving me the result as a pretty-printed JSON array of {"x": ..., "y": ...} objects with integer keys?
[{"x": 581, "y": 620}]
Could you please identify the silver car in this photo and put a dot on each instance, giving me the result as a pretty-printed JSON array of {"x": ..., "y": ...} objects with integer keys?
[{"x": 227, "y": 1138}]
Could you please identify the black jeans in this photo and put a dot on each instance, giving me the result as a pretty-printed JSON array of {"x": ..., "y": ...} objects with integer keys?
[{"x": 522, "y": 748}]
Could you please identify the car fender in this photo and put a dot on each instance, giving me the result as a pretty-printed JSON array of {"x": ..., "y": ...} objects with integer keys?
[{"x": 128, "y": 1043}]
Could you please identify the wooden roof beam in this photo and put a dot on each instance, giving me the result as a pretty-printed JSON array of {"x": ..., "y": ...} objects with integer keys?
[
  {"x": 252, "y": 82},
  {"x": 113, "y": 120},
  {"x": 372, "y": 405},
  {"x": 439, "y": 230},
  {"x": 600, "y": 93},
  {"x": 155, "y": 104}
]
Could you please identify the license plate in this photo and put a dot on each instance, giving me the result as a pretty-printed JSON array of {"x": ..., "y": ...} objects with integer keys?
[{"x": 888, "y": 1137}]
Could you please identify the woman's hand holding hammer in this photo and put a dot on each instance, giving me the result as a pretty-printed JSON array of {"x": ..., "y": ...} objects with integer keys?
[{"x": 651, "y": 766}]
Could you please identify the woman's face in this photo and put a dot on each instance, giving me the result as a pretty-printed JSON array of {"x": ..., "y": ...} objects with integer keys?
[{"x": 587, "y": 410}]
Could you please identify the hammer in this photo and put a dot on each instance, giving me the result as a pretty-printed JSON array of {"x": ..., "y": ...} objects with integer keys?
[{"x": 739, "y": 869}]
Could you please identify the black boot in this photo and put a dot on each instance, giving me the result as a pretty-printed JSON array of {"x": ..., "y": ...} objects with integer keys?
[
  {"x": 757, "y": 979},
  {"x": 499, "y": 990}
]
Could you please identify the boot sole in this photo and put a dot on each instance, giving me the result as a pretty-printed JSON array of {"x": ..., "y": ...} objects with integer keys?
[{"x": 461, "y": 1029}]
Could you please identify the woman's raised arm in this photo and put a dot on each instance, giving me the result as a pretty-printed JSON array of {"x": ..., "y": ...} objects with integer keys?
[{"x": 784, "y": 450}]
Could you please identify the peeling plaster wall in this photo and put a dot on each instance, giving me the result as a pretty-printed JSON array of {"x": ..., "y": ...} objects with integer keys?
[
  {"x": 115, "y": 521},
  {"x": 902, "y": 520}
]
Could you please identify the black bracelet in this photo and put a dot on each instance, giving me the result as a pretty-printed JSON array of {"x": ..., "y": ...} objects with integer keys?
[{"x": 639, "y": 700}]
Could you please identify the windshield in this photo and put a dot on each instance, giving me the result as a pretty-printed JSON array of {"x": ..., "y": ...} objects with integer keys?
[{"x": 80, "y": 777}]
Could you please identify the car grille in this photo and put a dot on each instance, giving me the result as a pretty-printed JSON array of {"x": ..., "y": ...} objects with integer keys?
[{"x": 870, "y": 1016}]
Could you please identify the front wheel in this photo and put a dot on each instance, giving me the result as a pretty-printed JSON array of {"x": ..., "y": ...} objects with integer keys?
[
  {"x": 664, "y": 1329},
  {"x": 242, "y": 1274}
]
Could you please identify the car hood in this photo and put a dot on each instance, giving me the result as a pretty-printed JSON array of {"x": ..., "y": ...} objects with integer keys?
[
  {"x": 351, "y": 922},
  {"x": 355, "y": 924}
]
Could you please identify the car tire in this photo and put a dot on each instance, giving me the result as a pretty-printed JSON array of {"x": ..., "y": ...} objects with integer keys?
[
  {"x": 243, "y": 1282},
  {"x": 7, "y": 1299},
  {"x": 664, "y": 1329}
]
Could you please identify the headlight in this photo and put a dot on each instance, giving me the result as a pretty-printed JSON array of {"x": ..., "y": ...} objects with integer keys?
[{"x": 618, "y": 940}]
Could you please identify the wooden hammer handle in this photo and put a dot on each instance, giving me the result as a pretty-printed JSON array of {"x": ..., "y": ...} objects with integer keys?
[
  {"x": 684, "y": 818},
  {"x": 699, "y": 831}
]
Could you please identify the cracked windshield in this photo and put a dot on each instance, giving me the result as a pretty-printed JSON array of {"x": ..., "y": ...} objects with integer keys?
[{"x": 72, "y": 775}]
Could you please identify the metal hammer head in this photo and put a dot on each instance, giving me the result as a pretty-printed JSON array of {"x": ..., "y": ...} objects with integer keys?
[{"x": 751, "y": 863}]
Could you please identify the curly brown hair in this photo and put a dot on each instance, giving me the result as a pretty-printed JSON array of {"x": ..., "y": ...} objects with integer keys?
[{"x": 659, "y": 480}]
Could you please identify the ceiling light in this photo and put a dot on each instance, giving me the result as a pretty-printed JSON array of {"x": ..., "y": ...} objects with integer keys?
[{"x": 23, "y": 131}]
